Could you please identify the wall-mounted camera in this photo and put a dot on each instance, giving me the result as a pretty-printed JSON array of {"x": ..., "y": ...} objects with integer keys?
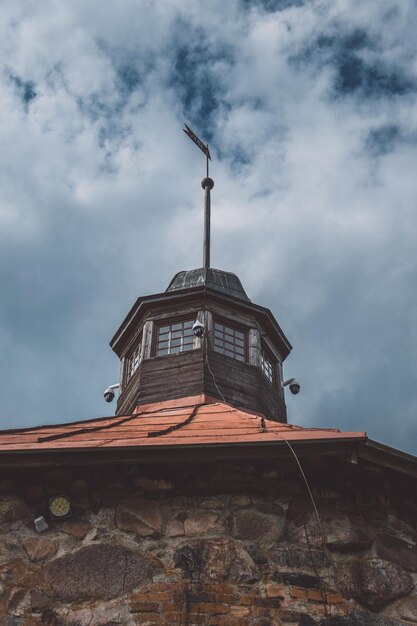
[
  {"x": 293, "y": 384},
  {"x": 110, "y": 393},
  {"x": 198, "y": 329}
]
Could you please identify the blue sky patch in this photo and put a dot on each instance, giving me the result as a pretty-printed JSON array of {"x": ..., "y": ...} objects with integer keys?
[
  {"x": 198, "y": 76},
  {"x": 25, "y": 89},
  {"x": 382, "y": 140},
  {"x": 273, "y": 5},
  {"x": 358, "y": 67},
  {"x": 129, "y": 77},
  {"x": 369, "y": 80}
]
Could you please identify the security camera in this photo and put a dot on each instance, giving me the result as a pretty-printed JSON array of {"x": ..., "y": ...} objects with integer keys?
[
  {"x": 198, "y": 329},
  {"x": 294, "y": 385},
  {"x": 109, "y": 393}
]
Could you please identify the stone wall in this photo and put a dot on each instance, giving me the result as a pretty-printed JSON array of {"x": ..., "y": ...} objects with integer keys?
[{"x": 220, "y": 544}]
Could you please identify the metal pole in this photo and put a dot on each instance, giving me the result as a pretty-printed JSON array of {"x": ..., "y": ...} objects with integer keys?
[
  {"x": 207, "y": 184},
  {"x": 207, "y": 215}
]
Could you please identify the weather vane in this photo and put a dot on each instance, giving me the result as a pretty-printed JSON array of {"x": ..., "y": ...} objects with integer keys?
[{"x": 207, "y": 184}]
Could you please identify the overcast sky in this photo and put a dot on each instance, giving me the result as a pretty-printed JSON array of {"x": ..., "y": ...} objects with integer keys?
[{"x": 310, "y": 112}]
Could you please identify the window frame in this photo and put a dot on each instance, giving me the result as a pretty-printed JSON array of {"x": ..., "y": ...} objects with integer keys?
[
  {"x": 126, "y": 369},
  {"x": 266, "y": 355},
  {"x": 235, "y": 327},
  {"x": 170, "y": 322}
]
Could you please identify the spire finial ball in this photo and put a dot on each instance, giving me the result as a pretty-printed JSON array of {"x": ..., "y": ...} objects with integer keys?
[{"x": 207, "y": 182}]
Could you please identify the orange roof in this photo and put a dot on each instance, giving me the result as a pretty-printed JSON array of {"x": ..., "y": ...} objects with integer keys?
[{"x": 193, "y": 421}]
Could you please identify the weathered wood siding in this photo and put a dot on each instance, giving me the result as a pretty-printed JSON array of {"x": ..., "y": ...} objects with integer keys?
[
  {"x": 163, "y": 378},
  {"x": 242, "y": 385},
  {"x": 188, "y": 374}
]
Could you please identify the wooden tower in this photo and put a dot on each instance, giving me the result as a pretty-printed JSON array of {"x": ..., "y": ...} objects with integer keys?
[{"x": 238, "y": 359}]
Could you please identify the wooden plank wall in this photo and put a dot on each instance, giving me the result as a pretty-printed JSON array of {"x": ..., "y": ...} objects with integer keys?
[
  {"x": 163, "y": 378},
  {"x": 242, "y": 385},
  {"x": 188, "y": 374}
]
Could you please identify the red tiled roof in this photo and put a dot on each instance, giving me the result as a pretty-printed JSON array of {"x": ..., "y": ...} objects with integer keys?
[{"x": 193, "y": 421}]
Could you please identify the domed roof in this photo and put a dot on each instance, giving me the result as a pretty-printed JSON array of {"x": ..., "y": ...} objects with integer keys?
[{"x": 218, "y": 280}]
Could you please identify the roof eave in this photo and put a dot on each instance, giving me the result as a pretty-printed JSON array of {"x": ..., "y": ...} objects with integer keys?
[
  {"x": 147, "y": 454},
  {"x": 366, "y": 449},
  {"x": 389, "y": 457},
  {"x": 144, "y": 302}
]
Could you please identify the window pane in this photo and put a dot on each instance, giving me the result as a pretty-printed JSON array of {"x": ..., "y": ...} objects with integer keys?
[
  {"x": 133, "y": 361},
  {"x": 230, "y": 341},
  {"x": 267, "y": 366},
  {"x": 174, "y": 338}
]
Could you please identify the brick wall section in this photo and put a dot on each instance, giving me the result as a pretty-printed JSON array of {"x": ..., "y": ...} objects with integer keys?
[
  {"x": 230, "y": 605},
  {"x": 212, "y": 545}
]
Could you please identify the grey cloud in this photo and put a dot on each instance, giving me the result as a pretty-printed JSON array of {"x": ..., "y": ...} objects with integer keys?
[
  {"x": 101, "y": 198},
  {"x": 132, "y": 67}
]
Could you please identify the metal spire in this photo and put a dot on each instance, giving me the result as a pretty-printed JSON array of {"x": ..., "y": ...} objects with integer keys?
[{"x": 207, "y": 184}]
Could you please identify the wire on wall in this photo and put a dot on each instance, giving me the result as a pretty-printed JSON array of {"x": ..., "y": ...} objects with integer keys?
[{"x": 326, "y": 603}]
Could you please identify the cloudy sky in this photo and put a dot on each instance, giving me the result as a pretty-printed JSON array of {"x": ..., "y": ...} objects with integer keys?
[{"x": 310, "y": 111}]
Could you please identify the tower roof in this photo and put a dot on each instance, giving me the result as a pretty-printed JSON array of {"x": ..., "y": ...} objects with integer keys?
[
  {"x": 188, "y": 425},
  {"x": 225, "y": 282},
  {"x": 186, "y": 422}
]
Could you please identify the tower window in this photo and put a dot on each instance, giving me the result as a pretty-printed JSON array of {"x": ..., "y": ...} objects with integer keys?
[
  {"x": 230, "y": 341},
  {"x": 175, "y": 337},
  {"x": 267, "y": 365},
  {"x": 133, "y": 361}
]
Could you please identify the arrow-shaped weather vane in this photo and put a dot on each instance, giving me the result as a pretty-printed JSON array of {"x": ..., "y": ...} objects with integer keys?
[
  {"x": 207, "y": 184},
  {"x": 203, "y": 147}
]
